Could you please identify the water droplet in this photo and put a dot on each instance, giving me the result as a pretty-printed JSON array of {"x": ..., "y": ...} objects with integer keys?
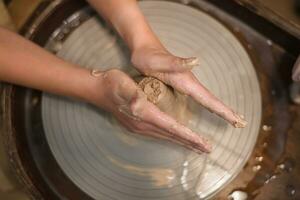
[
  {"x": 55, "y": 46},
  {"x": 238, "y": 195},
  {"x": 66, "y": 30},
  {"x": 186, "y": 163},
  {"x": 236, "y": 29},
  {"x": 259, "y": 158},
  {"x": 281, "y": 166},
  {"x": 256, "y": 168},
  {"x": 267, "y": 181},
  {"x": 267, "y": 128},
  {"x": 270, "y": 179},
  {"x": 265, "y": 144},
  {"x": 34, "y": 101},
  {"x": 269, "y": 42},
  {"x": 273, "y": 92},
  {"x": 290, "y": 190},
  {"x": 287, "y": 165},
  {"x": 60, "y": 36},
  {"x": 273, "y": 177},
  {"x": 75, "y": 23},
  {"x": 267, "y": 176}
]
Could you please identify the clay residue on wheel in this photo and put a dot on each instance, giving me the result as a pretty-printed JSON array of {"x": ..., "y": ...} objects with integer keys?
[{"x": 167, "y": 99}]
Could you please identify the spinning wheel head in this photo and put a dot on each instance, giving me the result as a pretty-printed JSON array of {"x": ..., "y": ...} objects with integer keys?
[{"x": 106, "y": 161}]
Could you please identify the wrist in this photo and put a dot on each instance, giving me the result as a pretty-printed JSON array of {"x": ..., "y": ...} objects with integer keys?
[
  {"x": 145, "y": 41},
  {"x": 92, "y": 87},
  {"x": 132, "y": 26}
]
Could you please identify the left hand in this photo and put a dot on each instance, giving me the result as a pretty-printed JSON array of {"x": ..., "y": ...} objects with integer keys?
[{"x": 117, "y": 93}]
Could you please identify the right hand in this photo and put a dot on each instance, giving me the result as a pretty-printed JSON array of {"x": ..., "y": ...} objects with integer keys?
[
  {"x": 176, "y": 72},
  {"x": 127, "y": 102}
]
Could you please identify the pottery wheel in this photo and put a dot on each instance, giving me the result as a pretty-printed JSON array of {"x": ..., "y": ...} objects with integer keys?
[{"x": 108, "y": 162}]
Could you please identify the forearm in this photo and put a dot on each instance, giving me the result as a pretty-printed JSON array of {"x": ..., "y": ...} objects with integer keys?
[
  {"x": 127, "y": 19},
  {"x": 26, "y": 64}
]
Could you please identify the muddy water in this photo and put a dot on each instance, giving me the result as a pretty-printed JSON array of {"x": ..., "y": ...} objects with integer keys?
[{"x": 273, "y": 171}]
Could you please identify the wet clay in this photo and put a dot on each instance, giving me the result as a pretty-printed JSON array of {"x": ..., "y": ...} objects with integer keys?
[{"x": 165, "y": 98}]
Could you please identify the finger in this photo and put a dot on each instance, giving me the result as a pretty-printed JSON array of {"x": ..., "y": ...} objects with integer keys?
[
  {"x": 149, "y": 130},
  {"x": 170, "y": 63},
  {"x": 188, "y": 84},
  {"x": 158, "y": 133},
  {"x": 149, "y": 113}
]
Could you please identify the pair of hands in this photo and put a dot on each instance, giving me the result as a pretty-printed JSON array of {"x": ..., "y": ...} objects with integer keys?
[
  {"x": 125, "y": 99},
  {"x": 127, "y": 102}
]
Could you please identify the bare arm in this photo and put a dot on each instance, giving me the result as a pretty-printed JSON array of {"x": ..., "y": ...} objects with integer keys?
[
  {"x": 148, "y": 54},
  {"x": 24, "y": 63},
  {"x": 128, "y": 20}
]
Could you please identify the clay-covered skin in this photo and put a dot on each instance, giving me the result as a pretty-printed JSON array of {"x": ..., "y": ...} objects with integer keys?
[
  {"x": 165, "y": 98},
  {"x": 173, "y": 104},
  {"x": 188, "y": 84}
]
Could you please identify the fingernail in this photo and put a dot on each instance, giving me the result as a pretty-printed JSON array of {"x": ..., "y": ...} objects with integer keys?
[
  {"x": 240, "y": 122},
  {"x": 190, "y": 62},
  {"x": 208, "y": 147},
  {"x": 205, "y": 146},
  {"x": 96, "y": 72}
]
